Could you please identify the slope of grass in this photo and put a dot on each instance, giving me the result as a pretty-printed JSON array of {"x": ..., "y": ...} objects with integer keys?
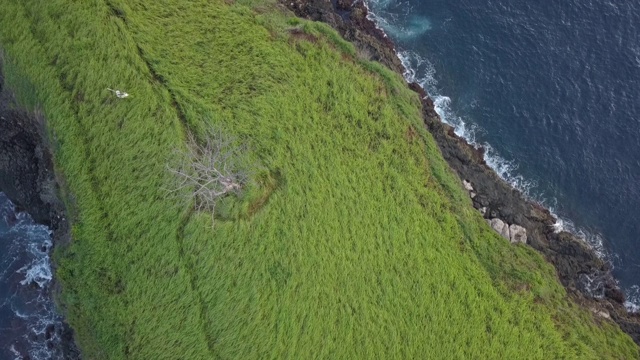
[{"x": 353, "y": 240}]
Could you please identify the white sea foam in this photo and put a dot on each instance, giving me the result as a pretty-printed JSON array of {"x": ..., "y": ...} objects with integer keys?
[
  {"x": 591, "y": 237},
  {"x": 29, "y": 244},
  {"x": 20, "y": 315},
  {"x": 38, "y": 243},
  {"x": 39, "y": 270},
  {"x": 633, "y": 299},
  {"x": 15, "y": 353},
  {"x": 420, "y": 70},
  {"x": 373, "y": 16},
  {"x": 596, "y": 241}
]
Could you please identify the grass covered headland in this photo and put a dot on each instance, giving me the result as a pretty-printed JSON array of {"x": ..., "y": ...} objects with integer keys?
[{"x": 350, "y": 238}]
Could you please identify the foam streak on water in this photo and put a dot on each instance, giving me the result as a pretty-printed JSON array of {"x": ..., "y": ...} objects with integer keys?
[
  {"x": 420, "y": 70},
  {"x": 29, "y": 325}
]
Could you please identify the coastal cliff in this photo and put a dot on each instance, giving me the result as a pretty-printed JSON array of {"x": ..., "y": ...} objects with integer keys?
[
  {"x": 586, "y": 277},
  {"x": 304, "y": 263}
]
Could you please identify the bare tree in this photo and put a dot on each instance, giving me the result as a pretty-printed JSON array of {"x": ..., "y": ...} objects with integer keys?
[{"x": 209, "y": 169}]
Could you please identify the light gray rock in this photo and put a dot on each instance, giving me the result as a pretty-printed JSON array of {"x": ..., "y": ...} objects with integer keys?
[
  {"x": 483, "y": 211},
  {"x": 467, "y": 185},
  {"x": 472, "y": 194},
  {"x": 518, "y": 234},
  {"x": 500, "y": 227},
  {"x": 601, "y": 313}
]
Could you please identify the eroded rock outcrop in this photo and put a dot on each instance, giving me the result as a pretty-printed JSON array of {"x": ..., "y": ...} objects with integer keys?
[
  {"x": 500, "y": 227},
  {"x": 517, "y": 234}
]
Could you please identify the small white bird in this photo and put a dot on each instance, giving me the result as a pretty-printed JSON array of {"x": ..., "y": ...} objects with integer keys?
[{"x": 119, "y": 94}]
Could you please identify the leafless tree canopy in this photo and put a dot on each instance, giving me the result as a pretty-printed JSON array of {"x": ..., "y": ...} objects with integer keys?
[{"x": 210, "y": 169}]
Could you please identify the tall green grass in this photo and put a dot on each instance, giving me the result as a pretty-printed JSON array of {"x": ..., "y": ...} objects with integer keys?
[{"x": 354, "y": 239}]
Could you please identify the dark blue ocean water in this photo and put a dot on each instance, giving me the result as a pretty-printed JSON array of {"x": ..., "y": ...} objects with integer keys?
[
  {"x": 30, "y": 328},
  {"x": 553, "y": 89}
]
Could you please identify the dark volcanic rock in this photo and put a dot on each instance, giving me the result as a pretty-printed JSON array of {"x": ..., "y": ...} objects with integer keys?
[
  {"x": 24, "y": 162},
  {"x": 344, "y": 4}
]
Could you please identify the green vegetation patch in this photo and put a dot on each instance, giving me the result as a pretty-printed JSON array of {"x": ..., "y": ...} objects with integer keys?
[{"x": 351, "y": 239}]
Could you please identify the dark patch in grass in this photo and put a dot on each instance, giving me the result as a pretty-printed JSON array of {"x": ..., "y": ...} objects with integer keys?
[
  {"x": 269, "y": 185},
  {"x": 117, "y": 12},
  {"x": 298, "y": 34},
  {"x": 79, "y": 96},
  {"x": 411, "y": 134},
  {"x": 280, "y": 274}
]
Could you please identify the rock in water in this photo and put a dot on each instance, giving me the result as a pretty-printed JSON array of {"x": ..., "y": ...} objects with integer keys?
[
  {"x": 518, "y": 234},
  {"x": 500, "y": 227}
]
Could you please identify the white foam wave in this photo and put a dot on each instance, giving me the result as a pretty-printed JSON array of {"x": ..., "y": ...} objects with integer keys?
[
  {"x": 39, "y": 270},
  {"x": 420, "y": 70},
  {"x": 633, "y": 299},
  {"x": 373, "y": 16},
  {"x": 594, "y": 239},
  {"x": 15, "y": 353},
  {"x": 37, "y": 239},
  {"x": 20, "y": 315}
]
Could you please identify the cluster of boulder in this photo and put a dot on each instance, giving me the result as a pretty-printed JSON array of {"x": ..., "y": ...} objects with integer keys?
[{"x": 514, "y": 233}]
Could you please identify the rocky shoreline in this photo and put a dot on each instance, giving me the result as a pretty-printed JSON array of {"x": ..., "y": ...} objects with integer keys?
[
  {"x": 587, "y": 278},
  {"x": 28, "y": 179}
]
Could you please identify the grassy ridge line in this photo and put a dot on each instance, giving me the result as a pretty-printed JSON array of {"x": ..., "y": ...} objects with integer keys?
[{"x": 364, "y": 246}]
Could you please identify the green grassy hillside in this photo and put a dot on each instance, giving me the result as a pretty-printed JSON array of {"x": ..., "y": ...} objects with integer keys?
[{"x": 352, "y": 240}]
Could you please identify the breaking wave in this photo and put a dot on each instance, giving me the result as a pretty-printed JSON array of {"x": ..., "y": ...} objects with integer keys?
[
  {"x": 421, "y": 71},
  {"x": 633, "y": 299}
]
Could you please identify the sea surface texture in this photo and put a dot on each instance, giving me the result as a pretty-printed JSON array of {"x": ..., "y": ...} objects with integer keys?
[
  {"x": 552, "y": 90},
  {"x": 30, "y": 328}
]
